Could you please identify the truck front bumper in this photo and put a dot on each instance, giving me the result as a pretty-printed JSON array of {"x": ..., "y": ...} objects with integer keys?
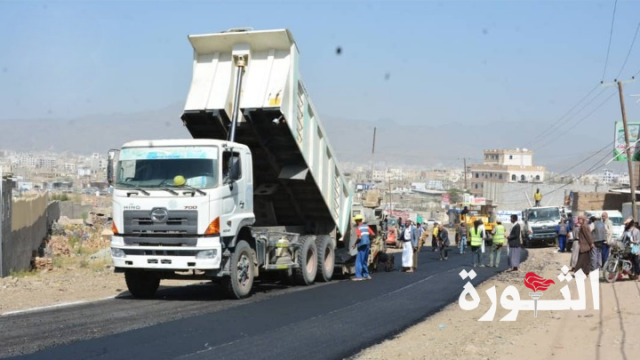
[
  {"x": 206, "y": 255},
  {"x": 545, "y": 237}
]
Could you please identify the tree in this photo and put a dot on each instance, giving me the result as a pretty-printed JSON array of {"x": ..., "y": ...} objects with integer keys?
[{"x": 455, "y": 196}]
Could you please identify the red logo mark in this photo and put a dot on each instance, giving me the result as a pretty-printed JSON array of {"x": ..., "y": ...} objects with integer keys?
[{"x": 535, "y": 282}]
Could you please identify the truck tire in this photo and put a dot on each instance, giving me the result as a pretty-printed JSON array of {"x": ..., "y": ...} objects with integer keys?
[
  {"x": 326, "y": 258},
  {"x": 307, "y": 259},
  {"x": 238, "y": 285},
  {"x": 141, "y": 284}
]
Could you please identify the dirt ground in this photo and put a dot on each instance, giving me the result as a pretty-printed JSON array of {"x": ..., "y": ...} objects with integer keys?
[
  {"x": 77, "y": 267},
  {"x": 608, "y": 333}
]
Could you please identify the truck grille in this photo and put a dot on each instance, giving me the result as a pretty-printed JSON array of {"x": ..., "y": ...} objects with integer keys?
[
  {"x": 141, "y": 222},
  {"x": 541, "y": 232}
]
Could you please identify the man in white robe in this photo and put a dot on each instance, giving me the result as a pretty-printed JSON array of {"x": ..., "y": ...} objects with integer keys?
[{"x": 410, "y": 238}]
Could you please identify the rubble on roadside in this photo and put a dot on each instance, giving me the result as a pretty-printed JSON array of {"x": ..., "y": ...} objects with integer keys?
[
  {"x": 73, "y": 238},
  {"x": 42, "y": 264}
]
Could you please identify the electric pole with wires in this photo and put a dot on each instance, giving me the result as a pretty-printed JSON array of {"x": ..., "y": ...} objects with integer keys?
[{"x": 632, "y": 185}]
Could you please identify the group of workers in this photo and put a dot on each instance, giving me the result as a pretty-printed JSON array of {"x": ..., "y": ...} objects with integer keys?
[
  {"x": 480, "y": 240},
  {"x": 413, "y": 236}
]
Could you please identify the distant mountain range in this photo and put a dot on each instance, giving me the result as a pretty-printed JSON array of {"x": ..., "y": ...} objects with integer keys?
[{"x": 433, "y": 144}]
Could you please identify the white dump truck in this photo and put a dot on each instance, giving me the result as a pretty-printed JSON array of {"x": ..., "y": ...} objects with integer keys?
[{"x": 258, "y": 189}]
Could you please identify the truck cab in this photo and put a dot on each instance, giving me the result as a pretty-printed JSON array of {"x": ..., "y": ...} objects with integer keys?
[{"x": 540, "y": 225}]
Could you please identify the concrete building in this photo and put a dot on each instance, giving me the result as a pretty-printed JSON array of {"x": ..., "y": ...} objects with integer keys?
[
  {"x": 27, "y": 161},
  {"x": 379, "y": 175},
  {"x": 47, "y": 162},
  {"x": 505, "y": 166}
]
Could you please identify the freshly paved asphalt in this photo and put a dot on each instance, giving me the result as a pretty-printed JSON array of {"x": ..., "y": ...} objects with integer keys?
[{"x": 324, "y": 321}]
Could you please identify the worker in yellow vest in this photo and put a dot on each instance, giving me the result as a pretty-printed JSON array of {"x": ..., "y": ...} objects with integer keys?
[
  {"x": 498, "y": 240},
  {"x": 537, "y": 197},
  {"x": 434, "y": 237},
  {"x": 476, "y": 234}
]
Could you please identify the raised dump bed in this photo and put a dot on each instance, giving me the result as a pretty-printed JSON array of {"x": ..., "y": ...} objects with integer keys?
[{"x": 298, "y": 182}]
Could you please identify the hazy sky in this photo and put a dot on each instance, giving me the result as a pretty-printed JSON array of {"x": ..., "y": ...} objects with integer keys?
[{"x": 447, "y": 61}]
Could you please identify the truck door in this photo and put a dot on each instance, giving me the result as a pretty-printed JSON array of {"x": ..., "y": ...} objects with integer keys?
[{"x": 234, "y": 196}]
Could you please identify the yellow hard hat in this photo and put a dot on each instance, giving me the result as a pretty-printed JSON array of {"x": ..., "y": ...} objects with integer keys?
[
  {"x": 179, "y": 180},
  {"x": 358, "y": 218}
]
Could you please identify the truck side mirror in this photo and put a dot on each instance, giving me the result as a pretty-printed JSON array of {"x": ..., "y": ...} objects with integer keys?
[{"x": 111, "y": 163}]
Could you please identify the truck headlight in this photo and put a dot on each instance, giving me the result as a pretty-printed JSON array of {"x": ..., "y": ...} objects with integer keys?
[
  {"x": 207, "y": 254},
  {"x": 117, "y": 253}
]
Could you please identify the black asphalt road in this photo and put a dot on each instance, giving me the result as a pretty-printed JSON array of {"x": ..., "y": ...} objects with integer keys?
[{"x": 328, "y": 321}]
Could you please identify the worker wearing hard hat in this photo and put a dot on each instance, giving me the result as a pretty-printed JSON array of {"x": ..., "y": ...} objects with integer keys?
[{"x": 364, "y": 234}]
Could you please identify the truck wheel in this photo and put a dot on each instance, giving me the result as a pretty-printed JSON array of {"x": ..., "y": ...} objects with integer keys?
[
  {"x": 141, "y": 284},
  {"x": 326, "y": 258},
  {"x": 307, "y": 259},
  {"x": 238, "y": 285}
]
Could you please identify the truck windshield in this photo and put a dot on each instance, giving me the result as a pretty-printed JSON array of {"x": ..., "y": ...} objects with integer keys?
[
  {"x": 616, "y": 221},
  {"x": 167, "y": 167},
  {"x": 543, "y": 214}
]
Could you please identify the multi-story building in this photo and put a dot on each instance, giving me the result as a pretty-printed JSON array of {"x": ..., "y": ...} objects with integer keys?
[
  {"x": 504, "y": 166},
  {"x": 47, "y": 162},
  {"x": 69, "y": 167},
  {"x": 27, "y": 161}
]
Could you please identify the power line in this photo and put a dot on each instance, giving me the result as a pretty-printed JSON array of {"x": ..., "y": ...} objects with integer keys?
[
  {"x": 592, "y": 169},
  {"x": 613, "y": 19},
  {"x": 579, "y": 120},
  {"x": 589, "y": 171},
  {"x": 572, "y": 167},
  {"x": 557, "y": 122},
  {"x": 587, "y": 159},
  {"x": 629, "y": 52}
]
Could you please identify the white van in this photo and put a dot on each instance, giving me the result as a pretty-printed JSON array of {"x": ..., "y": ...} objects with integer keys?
[{"x": 616, "y": 219}]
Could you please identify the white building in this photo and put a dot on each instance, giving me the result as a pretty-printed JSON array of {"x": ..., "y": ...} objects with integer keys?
[
  {"x": 504, "y": 166},
  {"x": 608, "y": 177},
  {"x": 47, "y": 162},
  {"x": 27, "y": 160}
]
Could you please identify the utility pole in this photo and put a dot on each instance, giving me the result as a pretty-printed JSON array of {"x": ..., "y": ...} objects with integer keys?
[
  {"x": 389, "y": 201},
  {"x": 632, "y": 184},
  {"x": 373, "y": 150},
  {"x": 464, "y": 160}
]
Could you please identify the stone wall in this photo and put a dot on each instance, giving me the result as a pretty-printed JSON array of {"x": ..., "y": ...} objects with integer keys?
[
  {"x": 26, "y": 223},
  {"x": 597, "y": 201},
  {"x": 73, "y": 210},
  {"x": 516, "y": 196}
]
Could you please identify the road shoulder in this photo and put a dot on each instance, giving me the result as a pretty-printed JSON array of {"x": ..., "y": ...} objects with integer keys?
[{"x": 606, "y": 333}]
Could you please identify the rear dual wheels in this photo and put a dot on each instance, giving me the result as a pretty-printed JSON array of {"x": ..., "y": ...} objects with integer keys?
[
  {"x": 307, "y": 259},
  {"x": 326, "y": 258}
]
